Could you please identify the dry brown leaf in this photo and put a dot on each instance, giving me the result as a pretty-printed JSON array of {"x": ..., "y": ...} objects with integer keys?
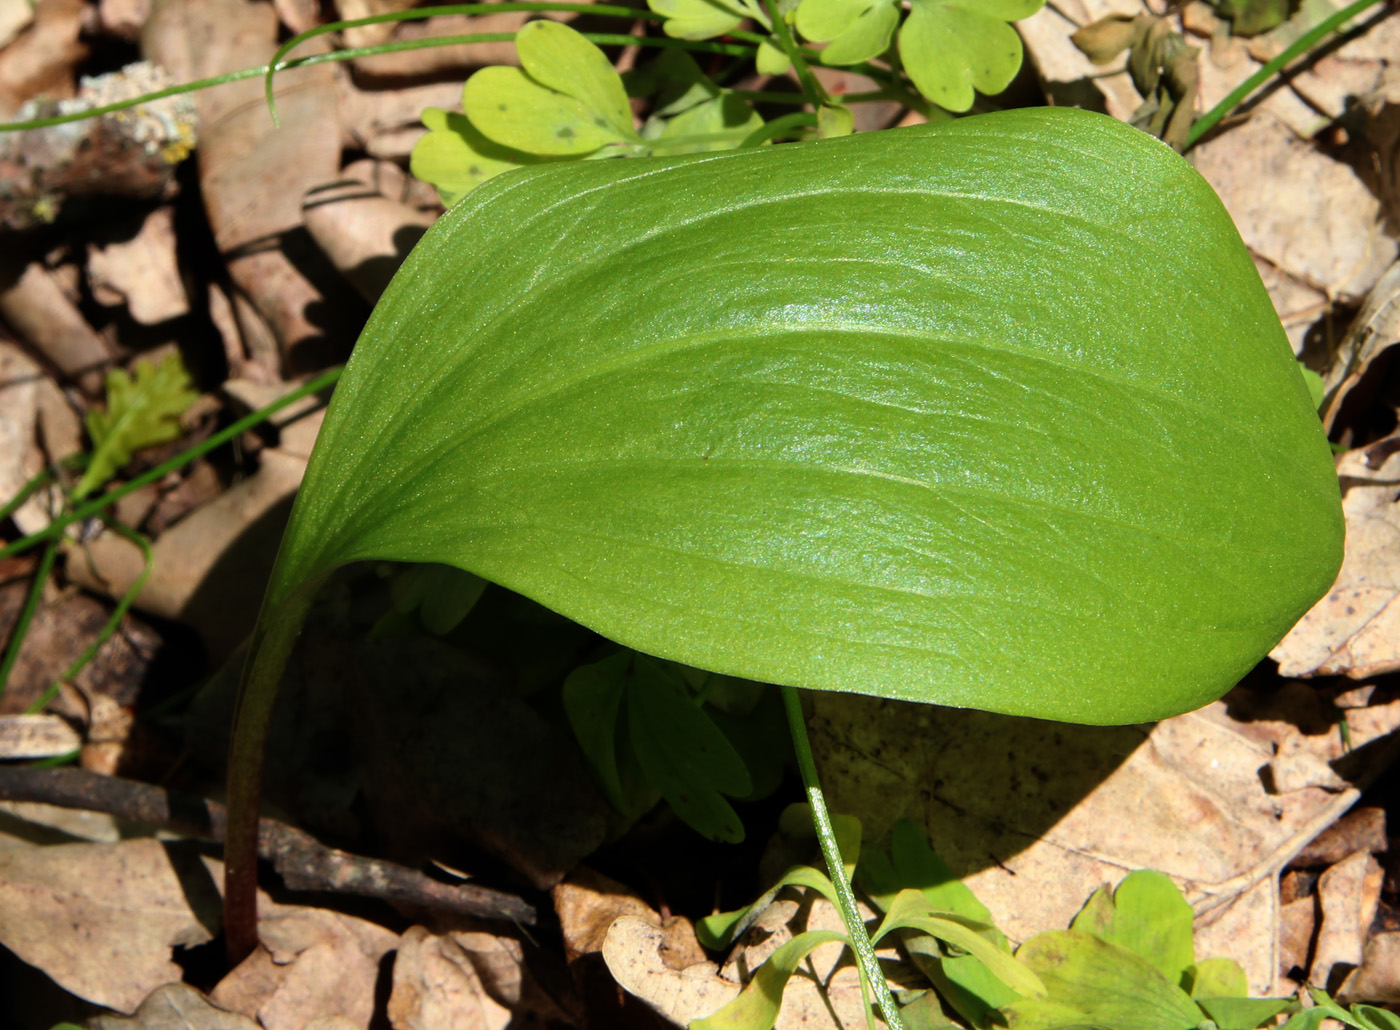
[
  {"x": 824, "y": 994},
  {"x": 141, "y": 270},
  {"x": 386, "y": 123},
  {"x": 101, "y": 919},
  {"x": 1374, "y": 331},
  {"x": 210, "y": 569},
  {"x": 1348, "y": 894},
  {"x": 14, "y": 16},
  {"x": 409, "y": 66},
  {"x": 297, "y": 424},
  {"x": 436, "y": 987},
  {"x": 36, "y": 736},
  {"x": 20, "y": 457},
  {"x": 35, "y": 305},
  {"x": 254, "y": 175},
  {"x": 1014, "y": 804},
  {"x": 1355, "y": 629},
  {"x": 123, "y": 18},
  {"x": 1069, "y": 78},
  {"x": 587, "y": 903},
  {"x": 41, "y": 60},
  {"x": 312, "y": 964},
  {"x": 1308, "y": 218},
  {"x": 369, "y": 35},
  {"x": 175, "y": 1006},
  {"x": 1297, "y": 924},
  {"x": 1361, "y": 829},
  {"x": 1377, "y": 981},
  {"x": 363, "y": 233}
]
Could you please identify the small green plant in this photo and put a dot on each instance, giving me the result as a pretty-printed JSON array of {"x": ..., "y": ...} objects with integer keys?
[
  {"x": 1127, "y": 962},
  {"x": 141, "y": 412}
]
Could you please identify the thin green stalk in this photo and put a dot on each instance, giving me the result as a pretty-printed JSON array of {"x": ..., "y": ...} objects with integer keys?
[
  {"x": 1304, "y": 43},
  {"x": 600, "y": 38},
  {"x": 25, "y": 492},
  {"x": 816, "y": 95},
  {"x": 866, "y": 961},
  {"x": 26, "y": 614},
  {"x": 501, "y": 7},
  {"x": 118, "y": 613},
  {"x": 162, "y": 470},
  {"x": 780, "y": 127}
]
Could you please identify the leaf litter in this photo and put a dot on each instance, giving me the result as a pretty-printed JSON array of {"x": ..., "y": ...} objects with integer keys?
[{"x": 1222, "y": 800}]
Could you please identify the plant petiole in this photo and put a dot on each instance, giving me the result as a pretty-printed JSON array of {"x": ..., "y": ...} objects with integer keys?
[
  {"x": 866, "y": 961},
  {"x": 26, "y": 614}
]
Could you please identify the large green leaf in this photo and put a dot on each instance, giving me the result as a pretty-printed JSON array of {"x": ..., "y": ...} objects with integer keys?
[{"x": 995, "y": 413}]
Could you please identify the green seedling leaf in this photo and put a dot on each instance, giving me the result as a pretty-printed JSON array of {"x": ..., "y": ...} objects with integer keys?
[
  {"x": 720, "y": 930},
  {"x": 566, "y": 99},
  {"x": 918, "y": 867},
  {"x": 1308, "y": 1019},
  {"x": 682, "y": 753},
  {"x": 910, "y": 911},
  {"x": 1237, "y": 1013},
  {"x": 1148, "y": 916},
  {"x": 952, "y": 47},
  {"x": 756, "y": 1007},
  {"x": 455, "y": 158},
  {"x": 834, "y": 120},
  {"x": 719, "y": 124},
  {"x": 939, "y": 414},
  {"x": 1216, "y": 978},
  {"x": 1373, "y": 1018},
  {"x": 760, "y": 736},
  {"x": 973, "y": 989},
  {"x": 925, "y": 1013},
  {"x": 1090, "y": 981},
  {"x": 771, "y": 59},
  {"x": 698, "y": 19},
  {"x": 442, "y": 596},
  {"x": 141, "y": 412},
  {"x": 593, "y": 696},
  {"x": 854, "y": 30}
]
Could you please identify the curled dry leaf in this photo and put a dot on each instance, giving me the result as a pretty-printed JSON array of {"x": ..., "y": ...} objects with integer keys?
[
  {"x": 251, "y": 174},
  {"x": 101, "y": 919},
  {"x": 1310, "y": 221},
  {"x": 20, "y": 457},
  {"x": 36, "y": 736},
  {"x": 41, "y": 60},
  {"x": 140, "y": 269},
  {"x": 1068, "y": 75},
  {"x": 1377, "y": 980},
  {"x": 363, "y": 233},
  {"x": 175, "y": 1006},
  {"x": 1355, "y": 630},
  {"x": 1374, "y": 331},
  {"x": 313, "y": 964},
  {"x": 35, "y": 305},
  {"x": 436, "y": 987},
  {"x": 386, "y": 123},
  {"x": 1013, "y": 804},
  {"x": 1348, "y": 894}
]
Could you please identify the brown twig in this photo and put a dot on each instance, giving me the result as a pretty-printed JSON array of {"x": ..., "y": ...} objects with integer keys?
[{"x": 303, "y": 862}]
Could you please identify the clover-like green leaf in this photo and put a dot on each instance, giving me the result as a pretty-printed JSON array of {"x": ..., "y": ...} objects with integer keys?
[
  {"x": 952, "y": 47},
  {"x": 698, "y": 19},
  {"x": 682, "y": 753},
  {"x": 854, "y": 30},
  {"x": 566, "y": 99},
  {"x": 455, "y": 158},
  {"x": 992, "y": 413},
  {"x": 141, "y": 412},
  {"x": 719, "y": 124},
  {"x": 1148, "y": 915},
  {"x": 1231, "y": 1013},
  {"x": 1091, "y": 982}
]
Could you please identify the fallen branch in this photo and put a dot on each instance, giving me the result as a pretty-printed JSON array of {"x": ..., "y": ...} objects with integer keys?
[{"x": 303, "y": 862}]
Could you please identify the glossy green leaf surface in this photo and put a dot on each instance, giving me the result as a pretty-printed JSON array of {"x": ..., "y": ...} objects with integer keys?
[{"x": 994, "y": 413}]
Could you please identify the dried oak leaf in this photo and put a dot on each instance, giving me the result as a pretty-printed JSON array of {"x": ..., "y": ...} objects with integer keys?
[{"x": 1355, "y": 630}]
